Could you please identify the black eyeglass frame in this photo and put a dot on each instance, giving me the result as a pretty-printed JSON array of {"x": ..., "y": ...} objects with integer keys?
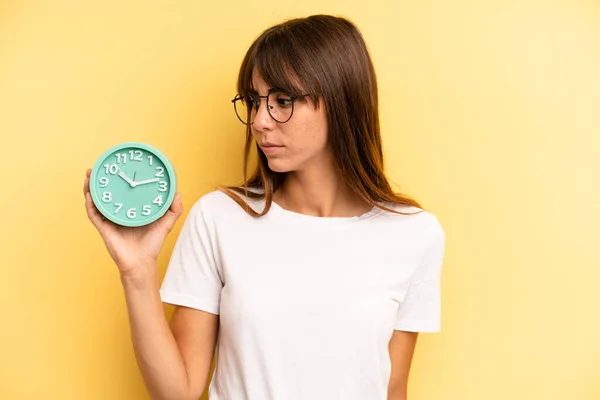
[{"x": 257, "y": 96}]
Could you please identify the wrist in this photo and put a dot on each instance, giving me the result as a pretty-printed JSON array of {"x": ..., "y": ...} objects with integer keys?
[{"x": 140, "y": 278}]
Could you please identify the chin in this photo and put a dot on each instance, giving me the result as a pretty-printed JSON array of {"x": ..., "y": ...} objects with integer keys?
[{"x": 278, "y": 166}]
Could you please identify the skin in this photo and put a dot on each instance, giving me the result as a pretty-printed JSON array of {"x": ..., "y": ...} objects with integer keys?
[{"x": 312, "y": 185}]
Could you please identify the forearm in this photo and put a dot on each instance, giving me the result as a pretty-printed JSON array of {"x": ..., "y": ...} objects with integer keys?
[
  {"x": 397, "y": 393},
  {"x": 399, "y": 396},
  {"x": 158, "y": 356}
]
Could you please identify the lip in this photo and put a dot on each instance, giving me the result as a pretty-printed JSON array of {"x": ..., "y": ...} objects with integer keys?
[
  {"x": 268, "y": 144},
  {"x": 269, "y": 149}
]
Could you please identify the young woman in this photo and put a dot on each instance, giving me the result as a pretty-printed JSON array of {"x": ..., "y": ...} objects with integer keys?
[{"x": 312, "y": 279}]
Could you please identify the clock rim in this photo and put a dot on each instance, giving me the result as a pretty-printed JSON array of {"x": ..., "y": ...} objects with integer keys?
[{"x": 169, "y": 169}]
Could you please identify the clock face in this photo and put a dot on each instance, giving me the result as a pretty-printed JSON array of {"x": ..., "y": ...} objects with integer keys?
[{"x": 132, "y": 184}]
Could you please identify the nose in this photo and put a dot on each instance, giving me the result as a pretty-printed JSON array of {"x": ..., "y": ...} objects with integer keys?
[{"x": 263, "y": 119}]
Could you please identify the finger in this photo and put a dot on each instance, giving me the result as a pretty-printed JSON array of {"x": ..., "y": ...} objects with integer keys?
[
  {"x": 174, "y": 212},
  {"x": 86, "y": 182},
  {"x": 177, "y": 205},
  {"x": 93, "y": 213}
]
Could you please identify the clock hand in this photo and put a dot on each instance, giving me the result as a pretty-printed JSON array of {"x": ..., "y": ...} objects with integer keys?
[
  {"x": 146, "y": 181},
  {"x": 125, "y": 177},
  {"x": 122, "y": 175}
]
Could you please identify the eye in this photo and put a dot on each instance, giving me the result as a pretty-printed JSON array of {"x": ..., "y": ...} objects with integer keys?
[
  {"x": 283, "y": 99},
  {"x": 251, "y": 101}
]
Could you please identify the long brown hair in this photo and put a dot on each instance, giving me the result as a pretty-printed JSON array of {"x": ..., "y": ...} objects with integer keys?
[{"x": 327, "y": 57}]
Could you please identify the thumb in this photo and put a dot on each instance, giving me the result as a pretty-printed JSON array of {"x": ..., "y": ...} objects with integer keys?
[{"x": 173, "y": 213}]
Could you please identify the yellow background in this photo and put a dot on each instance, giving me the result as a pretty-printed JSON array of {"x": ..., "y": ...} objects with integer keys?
[{"x": 490, "y": 114}]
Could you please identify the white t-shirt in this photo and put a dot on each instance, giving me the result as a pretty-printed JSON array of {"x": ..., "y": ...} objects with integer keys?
[{"x": 307, "y": 304}]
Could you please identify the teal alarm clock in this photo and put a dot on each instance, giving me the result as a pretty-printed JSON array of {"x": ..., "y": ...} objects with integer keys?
[{"x": 133, "y": 184}]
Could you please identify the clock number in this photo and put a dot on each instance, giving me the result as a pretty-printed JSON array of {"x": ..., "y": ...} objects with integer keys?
[
  {"x": 111, "y": 168},
  {"x": 103, "y": 181},
  {"x": 138, "y": 157},
  {"x": 119, "y": 205},
  {"x": 119, "y": 158},
  {"x": 150, "y": 158},
  {"x": 160, "y": 172},
  {"x": 147, "y": 210},
  {"x": 107, "y": 197},
  {"x": 158, "y": 200},
  {"x": 163, "y": 186},
  {"x": 131, "y": 213}
]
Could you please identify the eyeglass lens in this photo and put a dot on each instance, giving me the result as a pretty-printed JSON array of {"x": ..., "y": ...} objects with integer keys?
[{"x": 279, "y": 105}]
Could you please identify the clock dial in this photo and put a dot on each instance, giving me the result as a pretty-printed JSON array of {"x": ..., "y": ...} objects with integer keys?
[{"x": 133, "y": 184}]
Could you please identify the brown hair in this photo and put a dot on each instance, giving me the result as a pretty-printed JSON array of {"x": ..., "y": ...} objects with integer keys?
[{"x": 328, "y": 57}]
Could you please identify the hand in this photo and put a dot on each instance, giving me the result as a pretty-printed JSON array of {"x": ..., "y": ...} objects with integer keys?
[
  {"x": 146, "y": 181},
  {"x": 135, "y": 250}
]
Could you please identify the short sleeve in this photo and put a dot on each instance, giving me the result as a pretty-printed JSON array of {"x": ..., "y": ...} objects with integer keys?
[
  {"x": 193, "y": 278},
  {"x": 420, "y": 310}
]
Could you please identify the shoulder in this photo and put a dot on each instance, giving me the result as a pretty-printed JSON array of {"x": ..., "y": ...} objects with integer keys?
[
  {"x": 425, "y": 219},
  {"x": 414, "y": 224},
  {"x": 217, "y": 204}
]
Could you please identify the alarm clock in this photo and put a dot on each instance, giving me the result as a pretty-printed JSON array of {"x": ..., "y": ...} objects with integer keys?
[{"x": 133, "y": 184}]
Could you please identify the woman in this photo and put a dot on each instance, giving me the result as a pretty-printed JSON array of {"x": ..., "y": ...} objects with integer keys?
[{"x": 312, "y": 279}]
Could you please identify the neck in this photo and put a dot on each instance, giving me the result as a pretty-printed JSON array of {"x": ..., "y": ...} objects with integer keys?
[{"x": 319, "y": 192}]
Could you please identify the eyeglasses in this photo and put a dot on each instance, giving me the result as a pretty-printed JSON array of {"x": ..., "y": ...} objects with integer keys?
[{"x": 280, "y": 105}]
